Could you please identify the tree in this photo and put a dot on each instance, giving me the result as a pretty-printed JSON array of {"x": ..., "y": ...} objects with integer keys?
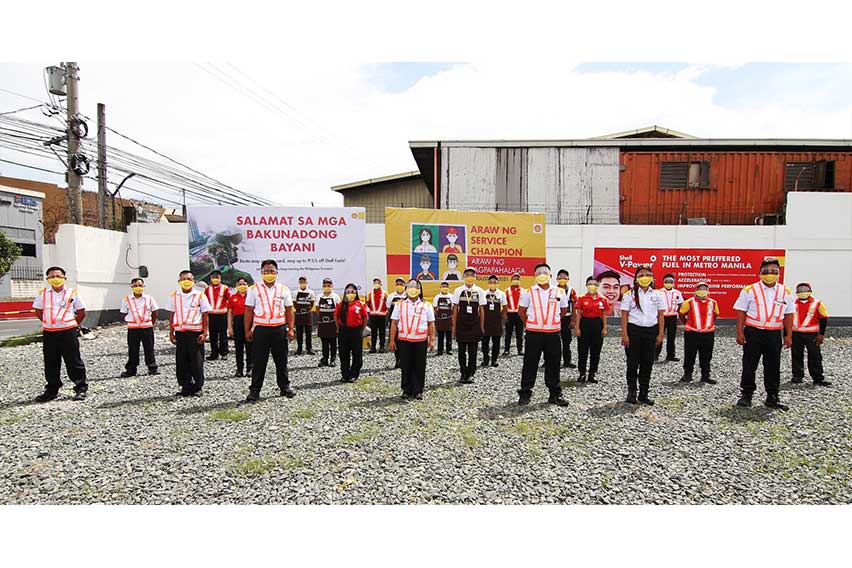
[{"x": 9, "y": 253}]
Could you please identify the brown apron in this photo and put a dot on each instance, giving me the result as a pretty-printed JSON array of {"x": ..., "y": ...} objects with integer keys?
[
  {"x": 444, "y": 314},
  {"x": 326, "y": 326},
  {"x": 493, "y": 315},
  {"x": 467, "y": 319},
  {"x": 303, "y": 305}
]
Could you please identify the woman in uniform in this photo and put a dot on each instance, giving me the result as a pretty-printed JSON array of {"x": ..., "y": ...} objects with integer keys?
[
  {"x": 412, "y": 332},
  {"x": 326, "y": 323},
  {"x": 641, "y": 332},
  {"x": 468, "y": 323},
  {"x": 590, "y": 328},
  {"x": 304, "y": 301},
  {"x": 236, "y": 327},
  {"x": 443, "y": 306},
  {"x": 395, "y": 298},
  {"x": 495, "y": 313},
  {"x": 351, "y": 317}
]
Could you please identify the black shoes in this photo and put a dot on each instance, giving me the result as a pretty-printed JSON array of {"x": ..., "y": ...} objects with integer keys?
[
  {"x": 485, "y": 363},
  {"x": 822, "y": 383},
  {"x": 152, "y": 372},
  {"x": 439, "y": 352},
  {"x": 323, "y": 363},
  {"x": 418, "y": 396},
  {"x": 79, "y": 395},
  {"x": 239, "y": 374},
  {"x": 557, "y": 400},
  {"x": 211, "y": 358},
  {"x": 686, "y": 379},
  {"x": 310, "y": 351},
  {"x": 126, "y": 374},
  {"x": 631, "y": 398},
  {"x": 744, "y": 401},
  {"x": 252, "y": 397},
  {"x": 591, "y": 380},
  {"x": 797, "y": 380},
  {"x": 494, "y": 364},
  {"x": 524, "y": 398},
  {"x": 644, "y": 399},
  {"x": 374, "y": 351},
  {"x": 465, "y": 380},
  {"x": 708, "y": 380},
  {"x": 581, "y": 378},
  {"x": 347, "y": 380},
  {"x": 382, "y": 349},
  {"x": 570, "y": 366},
  {"x": 672, "y": 359},
  {"x": 46, "y": 396},
  {"x": 520, "y": 351},
  {"x": 288, "y": 392},
  {"x": 196, "y": 393},
  {"x": 298, "y": 352},
  {"x": 772, "y": 401},
  {"x": 505, "y": 353}
]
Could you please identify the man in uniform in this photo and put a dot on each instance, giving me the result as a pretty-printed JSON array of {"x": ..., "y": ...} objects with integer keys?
[
  {"x": 699, "y": 316},
  {"x": 542, "y": 308},
  {"x": 468, "y": 322},
  {"x": 377, "y": 309},
  {"x": 140, "y": 311},
  {"x": 514, "y": 324},
  {"x": 187, "y": 332},
  {"x": 562, "y": 279},
  {"x": 304, "y": 304},
  {"x": 673, "y": 300},
  {"x": 764, "y": 323},
  {"x": 61, "y": 312},
  {"x": 495, "y": 305},
  {"x": 443, "y": 308},
  {"x": 809, "y": 323},
  {"x": 269, "y": 326},
  {"x": 217, "y": 296},
  {"x": 393, "y": 299},
  {"x": 327, "y": 324}
]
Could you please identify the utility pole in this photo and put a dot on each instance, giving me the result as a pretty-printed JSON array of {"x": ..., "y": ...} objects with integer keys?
[
  {"x": 75, "y": 182},
  {"x": 102, "y": 173}
]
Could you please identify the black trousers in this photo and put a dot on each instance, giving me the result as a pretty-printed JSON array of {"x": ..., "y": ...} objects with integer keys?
[
  {"x": 701, "y": 344},
  {"x": 514, "y": 324},
  {"x": 807, "y": 341},
  {"x": 241, "y": 346},
  {"x": 445, "y": 341},
  {"x": 467, "y": 357},
  {"x": 351, "y": 344},
  {"x": 671, "y": 333},
  {"x": 218, "y": 324},
  {"x": 494, "y": 340},
  {"x": 566, "y": 336},
  {"x": 590, "y": 341},
  {"x": 377, "y": 331},
  {"x": 189, "y": 361},
  {"x": 135, "y": 336},
  {"x": 303, "y": 335},
  {"x": 269, "y": 339},
  {"x": 58, "y": 346},
  {"x": 640, "y": 356},
  {"x": 766, "y": 344},
  {"x": 329, "y": 349},
  {"x": 412, "y": 360},
  {"x": 550, "y": 345}
]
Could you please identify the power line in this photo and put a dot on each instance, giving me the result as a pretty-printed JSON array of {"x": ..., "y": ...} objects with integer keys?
[
  {"x": 20, "y": 109},
  {"x": 24, "y": 96}
]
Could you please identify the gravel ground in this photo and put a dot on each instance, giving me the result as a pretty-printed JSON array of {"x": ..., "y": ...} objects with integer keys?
[{"x": 132, "y": 442}]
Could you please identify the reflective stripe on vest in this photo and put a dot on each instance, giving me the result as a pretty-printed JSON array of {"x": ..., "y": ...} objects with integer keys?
[
  {"x": 810, "y": 323},
  {"x": 269, "y": 300},
  {"x": 767, "y": 318},
  {"x": 702, "y": 322},
  {"x": 410, "y": 319},
  {"x": 217, "y": 307},
  {"x": 669, "y": 295},
  {"x": 65, "y": 319},
  {"x": 382, "y": 307},
  {"x": 192, "y": 321},
  {"x": 511, "y": 300},
  {"x": 138, "y": 320},
  {"x": 544, "y": 319}
]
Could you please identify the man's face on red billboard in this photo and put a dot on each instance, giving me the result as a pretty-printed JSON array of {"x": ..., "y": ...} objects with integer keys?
[{"x": 610, "y": 288}]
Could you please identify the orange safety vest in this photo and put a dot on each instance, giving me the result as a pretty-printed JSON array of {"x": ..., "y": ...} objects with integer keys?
[
  {"x": 810, "y": 322},
  {"x": 272, "y": 303},
  {"x": 701, "y": 316},
  {"x": 669, "y": 295},
  {"x": 217, "y": 306},
  {"x": 379, "y": 309},
  {"x": 192, "y": 321},
  {"x": 65, "y": 319},
  {"x": 138, "y": 320},
  {"x": 548, "y": 318},
  {"x": 512, "y": 297},
  {"x": 413, "y": 325},
  {"x": 770, "y": 314}
]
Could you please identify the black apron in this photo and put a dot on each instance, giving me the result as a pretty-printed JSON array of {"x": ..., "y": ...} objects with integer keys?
[
  {"x": 468, "y": 329},
  {"x": 493, "y": 314},
  {"x": 444, "y": 314},
  {"x": 326, "y": 326},
  {"x": 303, "y": 305}
]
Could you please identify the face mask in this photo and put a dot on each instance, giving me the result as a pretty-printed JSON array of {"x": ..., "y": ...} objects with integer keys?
[
  {"x": 445, "y": 290},
  {"x": 803, "y": 295},
  {"x": 645, "y": 281},
  {"x": 351, "y": 297},
  {"x": 377, "y": 286},
  {"x": 424, "y": 267},
  {"x": 492, "y": 287},
  {"x": 137, "y": 289},
  {"x": 516, "y": 282},
  {"x": 303, "y": 286},
  {"x": 562, "y": 281},
  {"x": 668, "y": 285},
  {"x": 592, "y": 288},
  {"x": 242, "y": 287},
  {"x": 56, "y": 281},
  {"x": 469, "y": 280},
  {"x": 400, "y": 289},
  {"x": 413, "y": 292},
  {"x": 186, "y": 285},
  {"x": 542, "y": 278},
  {"x": 769, "y": 278},
  {"x": 215, "y": 281},
  {"x": 326, "y": 289},
  {"x": 701, "y": 293},
  {"x": 270, "y": 278}
]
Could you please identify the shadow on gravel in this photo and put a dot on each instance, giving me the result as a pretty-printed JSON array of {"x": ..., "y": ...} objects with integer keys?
[
  {"x": 692, "y": 385},
  {"x": 18, "y": 403},
  {"x": 137, "y": 401},
  {"x": 742, "y": 415},
  {"x": 509, "y": 410},
  {"x": 788, "y": 386},
  {"x": 396, "y": 400},
  {"x": 443, "y": 386},
  {"x": 613, "y": 409},
  {"x": 193, "y": 410}
]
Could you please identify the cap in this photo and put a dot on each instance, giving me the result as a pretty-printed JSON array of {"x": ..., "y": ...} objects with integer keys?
[
  {"x": 808, "y": 284},
  {"x": 452, "y": 231},
  {"x": 326, "y": 280},
  {"x": 702, "y": 283}
]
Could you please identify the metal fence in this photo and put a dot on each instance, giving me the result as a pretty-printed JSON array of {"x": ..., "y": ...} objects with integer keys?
[{"x": 25, "y": 272}]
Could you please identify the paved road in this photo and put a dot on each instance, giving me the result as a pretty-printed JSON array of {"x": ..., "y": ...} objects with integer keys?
[{"x": 16, "y": 327}]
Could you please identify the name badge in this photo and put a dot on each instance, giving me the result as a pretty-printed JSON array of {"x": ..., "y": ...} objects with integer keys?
[
  {"x": 62, "y": 304},
  {"x": 491, "y": 307},
  {"x": 357, "y": 309},
  {"x": 470, "y": 309}
]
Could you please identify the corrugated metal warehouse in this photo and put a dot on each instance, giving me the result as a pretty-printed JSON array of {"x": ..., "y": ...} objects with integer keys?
[{"x": 400, "y": 190}]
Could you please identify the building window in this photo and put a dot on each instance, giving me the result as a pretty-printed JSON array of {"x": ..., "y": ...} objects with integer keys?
[
  {"x": 27, "y": 249},
  {"x": 685, "y": 175},
  {"x": 806, "y": 176}
]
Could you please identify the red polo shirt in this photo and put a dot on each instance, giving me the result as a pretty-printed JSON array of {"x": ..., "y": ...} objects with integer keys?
[
  {"x": 237, "y": 304},
  {"x": 592, "y": 307},
  {"x": 356, "y": 314}
]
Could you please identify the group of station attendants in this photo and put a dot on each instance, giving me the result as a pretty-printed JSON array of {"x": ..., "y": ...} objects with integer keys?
[{"x": 263, "y": 318}]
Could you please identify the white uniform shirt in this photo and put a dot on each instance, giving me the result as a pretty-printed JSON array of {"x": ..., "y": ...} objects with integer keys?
[
  {"x": 430, "y": 313},
  {"x": 499, "y": 294},
  {"x": 140, "y": 303},
  {"x": 438, "y": 297},
  {"x": 57, "y": 303},
  {"x": 671, "y": 297},
  {"x": 188, "y": 306},
  {"x": 651, "y": 302},
  {"x": 457, "y": 293},
  {"x": 253, "y": 300},
  {"x": 745, "y": 301},
  {"x": 393, "y": 296},
  {"x": 544, "y": 299}
]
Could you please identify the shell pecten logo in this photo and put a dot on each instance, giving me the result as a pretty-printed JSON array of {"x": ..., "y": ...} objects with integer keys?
[
  {"x": 359, "y": 215},
  {"x": 538, "y": 228}
]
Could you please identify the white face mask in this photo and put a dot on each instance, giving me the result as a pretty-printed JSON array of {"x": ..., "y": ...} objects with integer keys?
[{"x": 424, "y": 266}]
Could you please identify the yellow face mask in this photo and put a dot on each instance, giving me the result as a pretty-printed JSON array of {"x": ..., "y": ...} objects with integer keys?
[
  {"x": 326, "y": 289},
  {"x": 270, "y": 278},
  {"x": 701, "y": 293},
  {"x": 56, "y": 281},
  {"x": 186, "y": 285},
  {"x": 803, "y": 295},
  {"x": 592, "y": 288},
  {"x": 645, "y": 281},
  {"x": 215, "y": 281},
  {"x": 769, "y": 278},
  {"x": 562, "y": 281},
  {"x": 445, "y": 289},
  {"x": 516, "y": 282},
  {"x": 137, "y": 289},
  {"x": 400, "y": 289},
  {"x": 542, "y": 278},
  {"x": 413, "y": 292},
  {"x": 351, "y": 297},
  {"x": 469, "y": 280},
  {"x": 303, "y": 286},
  {"x": 492, "y": 287},
  {"x": 668, "y": 285},
  {"x": 242, "y": 287},
  {"x": 377, "y": 286}
]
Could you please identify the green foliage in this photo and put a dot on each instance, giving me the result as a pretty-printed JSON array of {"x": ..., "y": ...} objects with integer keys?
[
  {"x": 9, "y": 253},
  {"x": 229, "y": 415}
]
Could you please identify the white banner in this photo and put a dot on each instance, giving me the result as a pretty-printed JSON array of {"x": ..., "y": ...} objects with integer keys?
[{"x": 314, "y": 242}]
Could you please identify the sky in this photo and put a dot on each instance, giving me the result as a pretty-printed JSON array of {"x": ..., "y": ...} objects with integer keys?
[{"x": 289, "y": 133}]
